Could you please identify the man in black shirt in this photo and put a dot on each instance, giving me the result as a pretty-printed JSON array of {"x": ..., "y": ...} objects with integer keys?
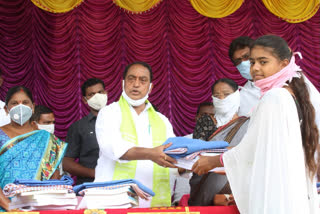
[{"x": 81, "y": 135}]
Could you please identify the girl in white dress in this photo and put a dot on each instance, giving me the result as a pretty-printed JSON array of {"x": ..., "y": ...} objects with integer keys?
[{"x": 273, "y": 168}]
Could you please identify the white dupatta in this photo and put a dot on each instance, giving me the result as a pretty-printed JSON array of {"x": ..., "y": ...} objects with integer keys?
[{"x": 266, "y": 171}]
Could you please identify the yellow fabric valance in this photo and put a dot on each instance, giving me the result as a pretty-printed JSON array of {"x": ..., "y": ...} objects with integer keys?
[
  {"x": 137, "y": 6},
  {"x": 217, "y": 8},
  {"x": 57, "y": 6},
  {"x": 293, "y": 11}
]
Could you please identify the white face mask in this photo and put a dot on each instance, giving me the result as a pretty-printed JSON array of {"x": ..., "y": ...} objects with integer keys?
[
  {"x": 226, "y": 108},
  {"x": 98, "y": 101},
  {"x": 49, "y": 127},
  {"x": 132, "y": 101},
  {"x": 244, "y": 69},
  {"x": 20, "y": 114}
]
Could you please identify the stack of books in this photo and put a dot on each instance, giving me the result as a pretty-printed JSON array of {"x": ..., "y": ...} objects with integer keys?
[
  {"x": 188, "y": 151},
  {"x": 44, "y": 200},
  {"x": 41, "y": 195},
  {"x": 122, "y": 197},
  {"x": 112, "y": 195}
]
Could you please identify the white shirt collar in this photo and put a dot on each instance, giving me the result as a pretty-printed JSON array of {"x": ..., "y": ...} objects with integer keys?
[{"x": 148, "y": 105}]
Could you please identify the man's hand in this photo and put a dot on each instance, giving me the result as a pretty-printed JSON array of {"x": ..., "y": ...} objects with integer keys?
[
  {"x": 181, "y": 171},
  {"x": 205, "y": 164},
  {"x": 74, "y": 168},
  {"x": 155, "y": 154},
  {"x": 158, "y": 156}
]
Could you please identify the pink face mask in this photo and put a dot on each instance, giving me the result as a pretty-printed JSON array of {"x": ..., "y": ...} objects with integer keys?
[{"x": 279, "y": 79}]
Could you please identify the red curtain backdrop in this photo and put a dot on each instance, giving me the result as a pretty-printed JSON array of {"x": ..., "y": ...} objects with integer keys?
[{"x": 53, "y": 54}]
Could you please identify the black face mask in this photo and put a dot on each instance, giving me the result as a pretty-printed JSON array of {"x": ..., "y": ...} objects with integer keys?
[{"x": 204, "y": 128}]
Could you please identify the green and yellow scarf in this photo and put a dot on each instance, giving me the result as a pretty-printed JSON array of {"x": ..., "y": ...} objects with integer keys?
[{"x": 161, "y": 179}]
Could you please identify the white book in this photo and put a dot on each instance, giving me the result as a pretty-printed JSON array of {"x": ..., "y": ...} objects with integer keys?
[
  {"x": 98, "y": 202},
  {"x": 49, "y": 191},
  {"x": 94, "y": 191},
  {"x": 111, "y": 202},
  {"x": 48, "y": 196},
  {"x": 18, "y": 202},
  {"x": 110, "y": 198}
]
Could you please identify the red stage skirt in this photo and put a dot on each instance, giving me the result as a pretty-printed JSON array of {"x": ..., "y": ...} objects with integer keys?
[{"x": 160, "y": 210}]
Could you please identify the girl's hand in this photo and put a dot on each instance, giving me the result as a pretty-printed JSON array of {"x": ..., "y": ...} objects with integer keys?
[{"x": 205, "y": 164}]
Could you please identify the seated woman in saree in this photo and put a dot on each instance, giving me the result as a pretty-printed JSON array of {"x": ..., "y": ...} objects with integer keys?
[
  {"x": 273, "y": 168},
  {"x": 26, "y": 153},
  {"x": 213, "y": 188}
]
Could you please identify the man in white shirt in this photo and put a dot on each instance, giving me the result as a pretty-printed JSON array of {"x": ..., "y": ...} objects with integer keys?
[
  {"x": 4, "y": 117},
  {"x": 239, "y": 52},
  {"x": 130, "y": 133}
]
